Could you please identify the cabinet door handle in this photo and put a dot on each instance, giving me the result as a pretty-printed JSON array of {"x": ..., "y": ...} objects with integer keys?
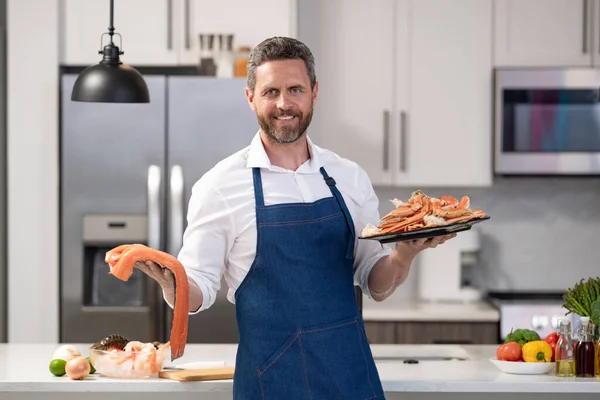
[
  {"x": 585, "y": 26},
  {"x": 187, "y": 24},
  {"x": 402, "y": 141},
  {"x": 386, "y": 139},
  {"x": 169, "y": 24}
]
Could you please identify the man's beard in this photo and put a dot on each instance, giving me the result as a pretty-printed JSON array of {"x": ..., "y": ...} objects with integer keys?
[{"x": 287, "y": 133}]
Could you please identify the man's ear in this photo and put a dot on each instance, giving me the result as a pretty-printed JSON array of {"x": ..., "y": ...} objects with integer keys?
[
  {"x": 315, "y": 93},
  {"x": 250, "y": 98}
]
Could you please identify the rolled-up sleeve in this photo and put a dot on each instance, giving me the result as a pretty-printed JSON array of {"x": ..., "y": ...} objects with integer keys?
[
  {"x": 207, "y": 240},
  {"x": 368, "y": 252}
]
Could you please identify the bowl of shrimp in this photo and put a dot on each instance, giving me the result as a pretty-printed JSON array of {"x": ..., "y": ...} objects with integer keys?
[{"x": 129, "y": 359}]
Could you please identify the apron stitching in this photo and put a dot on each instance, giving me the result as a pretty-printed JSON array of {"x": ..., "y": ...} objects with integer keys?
[
  {"x": 331, "y": 327},
  {"x": 260, "y": 384},
  {"x": 304, "y": 364},
  {"x": 280, "y": 354},
  {"x": 308, "y": 221},
  {"x": 365, "y": 358}
]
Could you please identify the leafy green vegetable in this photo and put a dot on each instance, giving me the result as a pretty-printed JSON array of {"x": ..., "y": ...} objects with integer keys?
[
  {"x": 596, "y": 312},
  {"x": 522, "y": 336},
  {"x": 583, "y": 298}
]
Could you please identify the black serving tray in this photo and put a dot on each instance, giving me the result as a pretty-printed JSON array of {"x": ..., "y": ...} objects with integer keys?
[{"x": 426, "y": 232}]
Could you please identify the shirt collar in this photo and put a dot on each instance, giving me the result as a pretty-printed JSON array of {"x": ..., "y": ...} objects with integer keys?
[{"x": 257, "y": 157}]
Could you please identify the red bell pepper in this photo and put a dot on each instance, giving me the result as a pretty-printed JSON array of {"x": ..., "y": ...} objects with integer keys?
[{"x": 551, "y": 339}]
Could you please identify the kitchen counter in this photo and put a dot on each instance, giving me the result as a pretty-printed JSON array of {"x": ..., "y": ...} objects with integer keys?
[
  {"x": 420, "y": 311},
  {"x": 24, "y": 375}
]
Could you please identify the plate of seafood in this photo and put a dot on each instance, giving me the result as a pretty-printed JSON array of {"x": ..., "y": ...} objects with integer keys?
[{"x": 423, "y": 216}]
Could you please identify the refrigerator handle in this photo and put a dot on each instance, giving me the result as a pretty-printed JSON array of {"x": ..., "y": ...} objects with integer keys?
[
  {"x": 157, "y": 319},
  {"x": 154, "y": 207},
  {"x": 176, "y": 200}
]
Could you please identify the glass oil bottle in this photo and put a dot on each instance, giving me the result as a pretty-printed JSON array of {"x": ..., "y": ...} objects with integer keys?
[
  {"x": 585, "y": 353},
  {"x": 565, "y": 356}
]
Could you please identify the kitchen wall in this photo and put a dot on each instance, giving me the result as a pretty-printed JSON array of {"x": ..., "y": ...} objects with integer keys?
[
  {"x": 553, "y": 248},
  {"x": 542, "y": 235},
  {"x": 32, "y": 149}
]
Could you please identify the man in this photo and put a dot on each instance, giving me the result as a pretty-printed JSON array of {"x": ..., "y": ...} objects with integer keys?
[{"x": 280, "y": 219}]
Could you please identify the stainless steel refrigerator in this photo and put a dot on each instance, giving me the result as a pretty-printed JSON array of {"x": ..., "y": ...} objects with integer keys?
[{"x": 126, "y": 176}]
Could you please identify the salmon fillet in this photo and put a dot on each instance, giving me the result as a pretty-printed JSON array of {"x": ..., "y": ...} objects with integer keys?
[{"x": 121, "y": 261}]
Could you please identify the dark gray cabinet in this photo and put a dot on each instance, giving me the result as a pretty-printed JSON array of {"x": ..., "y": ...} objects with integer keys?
[{"x": 429, "y": 332}]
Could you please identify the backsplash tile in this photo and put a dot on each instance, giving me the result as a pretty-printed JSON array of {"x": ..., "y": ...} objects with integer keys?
[{"x": 543, "y": 233}]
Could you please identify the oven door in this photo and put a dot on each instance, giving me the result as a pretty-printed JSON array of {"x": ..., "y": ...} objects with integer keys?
[{"x": 547, "y": 121}]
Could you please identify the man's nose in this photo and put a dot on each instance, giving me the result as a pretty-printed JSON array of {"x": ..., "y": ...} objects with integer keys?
[{"x": 283, "y": 102}]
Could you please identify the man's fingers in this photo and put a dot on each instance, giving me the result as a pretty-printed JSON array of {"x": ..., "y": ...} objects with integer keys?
[
  {"x": 142, "y": 267},
  {"x": 166, "y": 272},
  {"x": 149, "y": 268},
  {"x": 434, "y": 242},
  {"x": 429, "y": 242}
]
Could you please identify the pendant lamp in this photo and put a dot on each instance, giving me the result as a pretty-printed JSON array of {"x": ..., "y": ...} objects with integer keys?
[{"x": 110, "y": 81}]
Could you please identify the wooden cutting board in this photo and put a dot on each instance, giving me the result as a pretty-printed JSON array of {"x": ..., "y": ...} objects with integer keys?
[{"x": 205, "y": 374}]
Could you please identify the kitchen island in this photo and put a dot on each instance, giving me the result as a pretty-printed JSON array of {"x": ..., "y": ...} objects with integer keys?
[{"x": 442, "y": 372}]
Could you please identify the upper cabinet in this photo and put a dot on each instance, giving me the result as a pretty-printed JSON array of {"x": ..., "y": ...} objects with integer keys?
[
  {"x": 405, "y": 87},
  {"x": 249, "y": 21},
  {"x": 444, "y": 92},
  {"x": 146, "y": 29},
  {"x": 353, "y": 45},
  {"x": 166, "y": 32},
  {"x": 547, "y": 33}
]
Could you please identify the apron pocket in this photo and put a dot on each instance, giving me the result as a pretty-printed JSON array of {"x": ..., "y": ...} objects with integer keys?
[
  {"x": 339, "y": 364},
  {"x": 282, "y": 375}
]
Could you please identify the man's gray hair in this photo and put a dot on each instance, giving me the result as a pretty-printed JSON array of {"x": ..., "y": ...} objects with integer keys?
[{"x": 280, "y": 48}]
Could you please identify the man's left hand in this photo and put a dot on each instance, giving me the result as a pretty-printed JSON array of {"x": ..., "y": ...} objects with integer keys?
[{"x": 411, "y": 248}]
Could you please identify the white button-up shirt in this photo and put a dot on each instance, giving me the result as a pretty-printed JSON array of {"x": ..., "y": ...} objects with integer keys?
[{"x": 220, "y": 238}]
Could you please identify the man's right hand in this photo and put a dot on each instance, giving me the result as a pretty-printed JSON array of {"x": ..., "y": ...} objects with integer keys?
[
  {"x": 163, "y": 276},
  {"x": 166, "y": 279}
]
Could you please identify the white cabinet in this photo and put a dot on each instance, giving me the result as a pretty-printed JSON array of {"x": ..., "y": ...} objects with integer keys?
[
  {"x": 146, "y": 28},
  {"x": 447, "y": 93},
  {"x": 165, "y": 32},
  {"x": 250, "y": 21},
  {"x": 546, "y": 33},
  {"x": 405, "y": 88},
  {"x": 352, "y": 41}
]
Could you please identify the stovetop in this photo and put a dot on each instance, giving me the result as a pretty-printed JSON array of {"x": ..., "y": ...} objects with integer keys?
[
  {"x": 538, "y": 310},
  {"x": 526, "y": 297}
]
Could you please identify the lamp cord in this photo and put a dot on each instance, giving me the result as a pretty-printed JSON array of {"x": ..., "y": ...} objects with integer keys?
[{"x": 111, "y": 27}]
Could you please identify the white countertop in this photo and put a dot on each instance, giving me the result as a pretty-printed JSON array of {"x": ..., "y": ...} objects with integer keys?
[
  {"x": 24, "y": 368},
  {"x": 420, "y": 311}
]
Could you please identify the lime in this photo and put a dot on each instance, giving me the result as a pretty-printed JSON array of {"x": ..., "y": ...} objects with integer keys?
[
  {"x": 57, "y": 367},
  {"x": 92, "y": 369}
]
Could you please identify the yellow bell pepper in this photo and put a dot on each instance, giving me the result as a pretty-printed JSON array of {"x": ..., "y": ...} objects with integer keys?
[{"x": 537, "y": 351}]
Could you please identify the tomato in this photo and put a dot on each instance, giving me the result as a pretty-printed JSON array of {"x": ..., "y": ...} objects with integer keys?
[
  {"x": 551, "y": 340},
  {"x": 509, "y": 352}
]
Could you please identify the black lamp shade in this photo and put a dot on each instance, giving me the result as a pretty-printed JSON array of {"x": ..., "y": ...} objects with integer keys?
[{"x": 110, "y": 83}]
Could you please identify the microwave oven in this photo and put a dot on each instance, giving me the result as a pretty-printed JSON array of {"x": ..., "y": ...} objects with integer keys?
[{"x": 546, "y": 121}]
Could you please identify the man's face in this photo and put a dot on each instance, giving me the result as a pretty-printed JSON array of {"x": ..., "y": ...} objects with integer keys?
[{"x": 283, "y": 99}]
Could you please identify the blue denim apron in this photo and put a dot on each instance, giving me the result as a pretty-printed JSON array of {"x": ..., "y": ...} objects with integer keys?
[{"x": 301, "y": 333}]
